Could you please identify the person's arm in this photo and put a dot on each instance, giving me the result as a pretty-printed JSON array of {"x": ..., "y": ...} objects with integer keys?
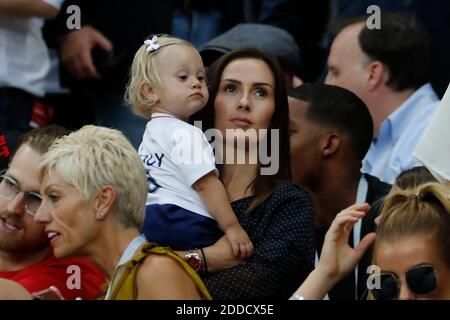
[
  {"x": 283, "y": 256},
  {"x": 76, "y": 51},
  {"x": 27, "y": 9},
  {"x": 215, "y": 197},
  {"x": 337, "y": 259},
  {"x": 162, "y": 278},
  {"x": 218, "y": 256},
  {"x": 10, "y": 290}
]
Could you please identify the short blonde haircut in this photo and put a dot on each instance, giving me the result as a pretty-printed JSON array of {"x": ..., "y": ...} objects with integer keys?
[
  {"x": 144, "y": 71},
  {"x": 93, "y": 157}
]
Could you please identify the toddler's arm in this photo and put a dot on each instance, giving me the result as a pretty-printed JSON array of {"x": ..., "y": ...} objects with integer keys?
[{"x": 213, "y": 194}]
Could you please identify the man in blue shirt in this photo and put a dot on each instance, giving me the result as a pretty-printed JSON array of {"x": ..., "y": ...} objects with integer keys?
[{"x": 388, "y": 68}]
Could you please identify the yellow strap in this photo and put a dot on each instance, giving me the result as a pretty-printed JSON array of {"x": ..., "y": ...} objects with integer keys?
[
  {"x": 150, "y": 248},
  {"x": 153, "y": 248}
]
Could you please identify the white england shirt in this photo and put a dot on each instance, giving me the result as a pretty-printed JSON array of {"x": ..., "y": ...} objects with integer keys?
[{"x": 175, "y": 155}]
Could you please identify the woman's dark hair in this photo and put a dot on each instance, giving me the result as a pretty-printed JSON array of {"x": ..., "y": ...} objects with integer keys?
[{"x": 263, "y": 185}]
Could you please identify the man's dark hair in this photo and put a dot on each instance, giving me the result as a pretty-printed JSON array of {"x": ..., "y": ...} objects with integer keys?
[
  {"x": 402, "y": 47},
  {"x": 338, "y": 108}
]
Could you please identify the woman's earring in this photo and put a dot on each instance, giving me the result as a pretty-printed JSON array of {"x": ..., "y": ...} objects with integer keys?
[{"x": 100, "y": 215}]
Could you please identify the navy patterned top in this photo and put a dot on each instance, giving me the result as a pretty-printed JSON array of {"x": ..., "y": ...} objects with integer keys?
[{"x": 282, "y": 233}]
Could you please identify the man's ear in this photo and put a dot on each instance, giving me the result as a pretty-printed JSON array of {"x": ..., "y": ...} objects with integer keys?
[
  {"x": 329, "y": 144},
  {"x": 104, "y": 201},
  {"x": 149, "y": 93},
  {"x": 378, "y": 75}
]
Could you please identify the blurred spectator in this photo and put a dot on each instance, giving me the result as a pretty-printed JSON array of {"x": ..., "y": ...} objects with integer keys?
[
  {"x": 96, "y": 59},
  {"x": 24, "y": 61},
  {"x": 197, "y": 21},
  {"x": 388, "y": 69},
  {"x": 306, "y": 21},
  {"x": 269, "y": 39}
]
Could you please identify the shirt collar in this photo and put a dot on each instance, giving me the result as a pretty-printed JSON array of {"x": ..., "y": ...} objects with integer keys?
[
  {"x": 398, "y": 120},
  {"x": 131, "y": 249}
]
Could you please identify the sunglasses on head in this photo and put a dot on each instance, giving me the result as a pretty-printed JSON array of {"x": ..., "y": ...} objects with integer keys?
[{"x": 421, "y": 280}]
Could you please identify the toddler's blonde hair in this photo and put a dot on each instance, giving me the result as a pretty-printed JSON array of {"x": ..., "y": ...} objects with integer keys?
[{"x": 144, "y": 71}]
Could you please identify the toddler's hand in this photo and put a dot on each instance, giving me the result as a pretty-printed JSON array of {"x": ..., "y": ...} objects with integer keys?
[{"x": 240, "y": 242}]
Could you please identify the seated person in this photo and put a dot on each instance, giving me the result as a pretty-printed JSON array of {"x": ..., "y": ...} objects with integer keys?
[
  {"x": 94, "y": 189},
  {"x": 25, "y": 252},
  {"x": 248, "y": 96},
  {"x": 412, "y": 248},
  {"x": 331, "y": 131}
]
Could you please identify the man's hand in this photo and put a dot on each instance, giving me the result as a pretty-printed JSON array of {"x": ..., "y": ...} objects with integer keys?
[{"x": 76, "y": 51}]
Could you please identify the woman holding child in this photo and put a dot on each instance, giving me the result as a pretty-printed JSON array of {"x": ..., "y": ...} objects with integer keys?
[{"x": 247, "y": 95}]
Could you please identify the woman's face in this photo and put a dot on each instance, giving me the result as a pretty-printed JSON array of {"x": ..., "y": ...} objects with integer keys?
[
  {"x": 407, "y": 253},
  {"x": 69, "y": 219},
  {"x": 245, "y": 98}
]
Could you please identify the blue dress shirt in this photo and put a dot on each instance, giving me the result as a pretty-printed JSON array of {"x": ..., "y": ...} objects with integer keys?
[{"x": 391, "y": 152}]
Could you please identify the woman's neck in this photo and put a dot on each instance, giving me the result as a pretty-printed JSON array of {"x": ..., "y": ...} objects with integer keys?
[
  {"x": 238, "y": 172},
  {"x": 237, "y": 178},
  {"x": 107, "y": 249}
]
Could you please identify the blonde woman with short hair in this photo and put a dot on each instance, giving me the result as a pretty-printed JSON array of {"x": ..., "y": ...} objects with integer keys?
[{"x": 94, "y": 189}]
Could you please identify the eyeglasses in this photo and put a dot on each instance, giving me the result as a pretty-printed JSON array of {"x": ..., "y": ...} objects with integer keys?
[
  {"x": 421, "y": 280},
  {"x": 9, "y": 189}
]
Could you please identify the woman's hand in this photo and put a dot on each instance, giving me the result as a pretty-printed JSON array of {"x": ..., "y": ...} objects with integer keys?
[{"x": 338, "y": 259}]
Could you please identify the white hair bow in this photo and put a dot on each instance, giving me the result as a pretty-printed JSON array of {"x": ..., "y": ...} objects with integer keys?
[{"x": 151, "y": 44}]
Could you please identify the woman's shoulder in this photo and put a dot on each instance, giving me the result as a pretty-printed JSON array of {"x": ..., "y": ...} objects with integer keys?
[
  {"x": 287, "y": 197},
  {"x": 164, "y": 270},
  {"x": 286, "y": 191},
  {"x": 160, "y": 260}
]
